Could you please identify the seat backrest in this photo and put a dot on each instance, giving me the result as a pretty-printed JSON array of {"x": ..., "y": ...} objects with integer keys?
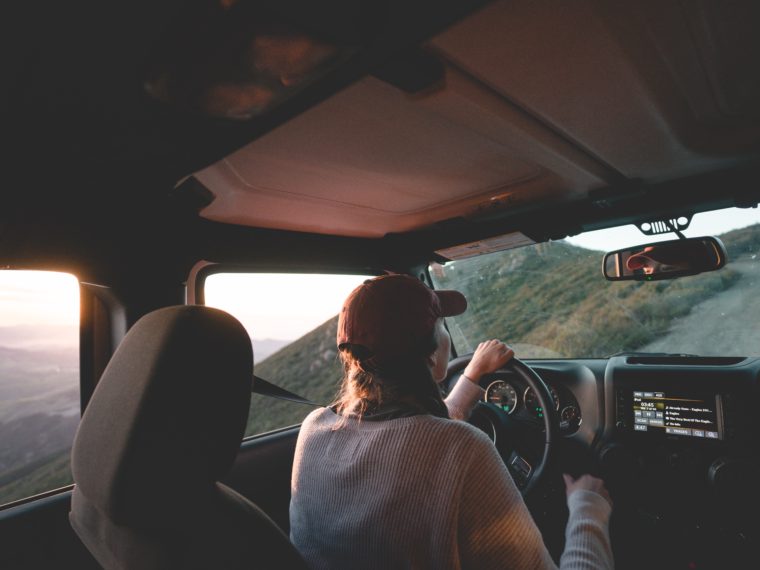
[{"x": 162, "y": 427}]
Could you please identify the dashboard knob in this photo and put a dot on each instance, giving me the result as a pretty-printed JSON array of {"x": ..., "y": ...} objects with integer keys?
[
  {"x": 726, "y": 474},
  {"x": 734, "y": 480},
  {"x": 617, "y": 463}
]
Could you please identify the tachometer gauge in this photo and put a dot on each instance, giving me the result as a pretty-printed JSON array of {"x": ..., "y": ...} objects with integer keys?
[
  {"x": 531, "y": 402},
  {"x": 570, "y": 414},
  {"x": 502, "y": 394},
  {"x": 569, "y": 419}
]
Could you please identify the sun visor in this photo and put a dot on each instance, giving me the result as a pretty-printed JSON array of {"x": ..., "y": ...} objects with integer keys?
[{"x": 490, "y": 245}]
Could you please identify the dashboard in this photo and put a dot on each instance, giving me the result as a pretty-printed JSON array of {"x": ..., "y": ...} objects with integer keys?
[{"x": 676, "y": 439}]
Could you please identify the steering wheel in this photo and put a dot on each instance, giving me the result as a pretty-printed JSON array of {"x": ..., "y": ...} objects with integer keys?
[{"x": 524, "y": 447}]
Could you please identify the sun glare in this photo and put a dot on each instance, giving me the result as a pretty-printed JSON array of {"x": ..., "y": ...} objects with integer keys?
[
  {"x": 38, "y": 298},
  {"x": 279, "y": 306}
]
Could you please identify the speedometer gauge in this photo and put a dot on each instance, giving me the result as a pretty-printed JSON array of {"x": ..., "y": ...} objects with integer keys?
[
  {"x": 531, "y": 402},
  {"x": 502, "y": 394}
]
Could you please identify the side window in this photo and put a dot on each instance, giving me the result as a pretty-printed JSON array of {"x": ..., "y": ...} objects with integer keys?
[
  {"x": 39, "y": 381},
  {"x": 292, "y": 320}
]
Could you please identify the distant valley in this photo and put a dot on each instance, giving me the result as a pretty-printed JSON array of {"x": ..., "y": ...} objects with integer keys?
[
  {"x": 266, "y": 347},
  {"x": 39, "y": 414}
]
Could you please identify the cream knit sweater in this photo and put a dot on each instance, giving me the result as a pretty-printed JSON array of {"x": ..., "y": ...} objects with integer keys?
[{"x": 424, "y": 492}]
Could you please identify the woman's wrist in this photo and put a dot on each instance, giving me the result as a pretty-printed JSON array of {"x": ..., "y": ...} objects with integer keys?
[
  {"x": 473, "y": 375},
  {"x": 467, "y": 377}
]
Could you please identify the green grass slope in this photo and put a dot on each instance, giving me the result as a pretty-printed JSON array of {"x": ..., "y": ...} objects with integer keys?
[
  {"x": 553, "y": 301},
  {"x": 42, "y": 475}
]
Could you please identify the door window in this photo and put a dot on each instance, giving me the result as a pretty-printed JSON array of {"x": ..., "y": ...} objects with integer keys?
[
  {"x": 292, "y": 321},
  {"x": 39, "y": 381}
]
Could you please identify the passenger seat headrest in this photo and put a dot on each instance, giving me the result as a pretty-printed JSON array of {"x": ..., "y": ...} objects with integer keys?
[{"x": 166, "y": 419}]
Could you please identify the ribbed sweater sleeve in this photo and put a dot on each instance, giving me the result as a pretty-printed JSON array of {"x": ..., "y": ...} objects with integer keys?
[
  {"x": 587, "y": 538},
  {"x": 496, "y": 529},
  {"x": 463, "y": 398},
  {"x": 587, "y": 541}
]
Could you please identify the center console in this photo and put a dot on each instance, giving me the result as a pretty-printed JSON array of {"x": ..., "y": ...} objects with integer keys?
[
  {"x": 679, "y": 448},
  {"x": 674, "y": 400}
]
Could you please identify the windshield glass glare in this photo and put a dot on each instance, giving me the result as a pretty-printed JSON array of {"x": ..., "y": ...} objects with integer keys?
[{"x": 550, "y": 300}]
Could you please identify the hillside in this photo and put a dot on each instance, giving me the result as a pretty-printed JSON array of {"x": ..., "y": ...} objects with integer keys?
[
  {"x": 553, "y": 301},
  {"x": 547, "y": 301},
  {"x": 39, "y": 413},
  {"x": 309, "y": 367}
]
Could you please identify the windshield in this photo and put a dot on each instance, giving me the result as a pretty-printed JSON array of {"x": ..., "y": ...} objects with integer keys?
[{"x": 550, "y": 300}]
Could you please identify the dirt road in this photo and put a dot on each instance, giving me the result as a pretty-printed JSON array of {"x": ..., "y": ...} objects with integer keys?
[{"x": 725, "y": 325}]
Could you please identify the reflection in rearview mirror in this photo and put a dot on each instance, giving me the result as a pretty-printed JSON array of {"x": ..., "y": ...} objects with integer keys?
[{"x": 665, "y": 260}]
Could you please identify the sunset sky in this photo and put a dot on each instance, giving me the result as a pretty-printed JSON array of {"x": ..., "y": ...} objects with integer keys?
[
  {"x": 705, "y": 223},
  {"x": 280, "y": 306}
]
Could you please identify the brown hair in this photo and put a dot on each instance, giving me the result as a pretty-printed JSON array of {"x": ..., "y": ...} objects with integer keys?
[{"x": 368, "y": 384}]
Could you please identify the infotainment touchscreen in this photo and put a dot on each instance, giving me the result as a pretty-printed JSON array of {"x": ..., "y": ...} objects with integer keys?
[{"x": 676, "y": 414}]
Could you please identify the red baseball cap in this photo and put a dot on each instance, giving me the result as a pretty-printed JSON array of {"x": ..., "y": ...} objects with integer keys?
[{"x": 391, "y": 315}]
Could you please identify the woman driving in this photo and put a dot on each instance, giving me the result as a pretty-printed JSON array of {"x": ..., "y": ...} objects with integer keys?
[{"x": 386, "y": 478}]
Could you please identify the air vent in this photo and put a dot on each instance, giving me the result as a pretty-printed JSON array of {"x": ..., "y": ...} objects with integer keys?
[{"x": 676, "y": 360}]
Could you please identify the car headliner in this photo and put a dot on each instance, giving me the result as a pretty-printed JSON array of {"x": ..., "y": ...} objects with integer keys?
[{"x": 544, "y": 117}]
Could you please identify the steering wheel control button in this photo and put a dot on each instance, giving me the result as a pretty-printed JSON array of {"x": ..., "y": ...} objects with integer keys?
[{"x": 521, "y": 466}]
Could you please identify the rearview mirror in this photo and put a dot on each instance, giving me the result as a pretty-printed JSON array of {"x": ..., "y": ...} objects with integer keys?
[{"x": 665, "y": 259}]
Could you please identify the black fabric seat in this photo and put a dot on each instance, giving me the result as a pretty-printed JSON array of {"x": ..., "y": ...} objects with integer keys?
[{"x": 163, "y": 426}]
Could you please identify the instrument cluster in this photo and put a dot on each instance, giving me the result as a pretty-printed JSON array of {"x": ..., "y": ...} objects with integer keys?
[{"x": 513, "y": 398}]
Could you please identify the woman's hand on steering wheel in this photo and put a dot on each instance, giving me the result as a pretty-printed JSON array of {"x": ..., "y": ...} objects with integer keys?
[{"x": 491, "y": 355}]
